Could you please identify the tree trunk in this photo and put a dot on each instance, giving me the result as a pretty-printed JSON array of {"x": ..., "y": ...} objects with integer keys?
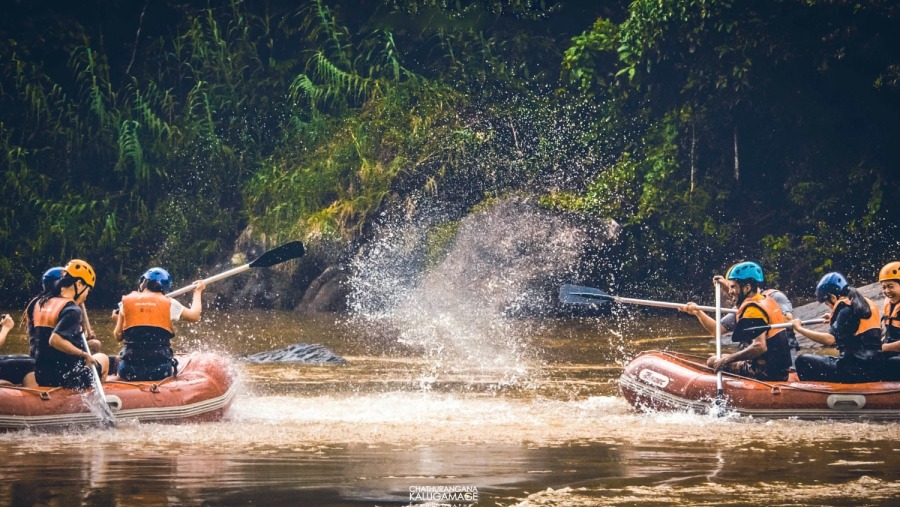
[{"x": 737, "y": 162}]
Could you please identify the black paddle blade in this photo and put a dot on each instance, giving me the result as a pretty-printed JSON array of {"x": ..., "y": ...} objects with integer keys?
[
  {"x": 285, "y": 252},
  {"x": 579, "y": 295}
]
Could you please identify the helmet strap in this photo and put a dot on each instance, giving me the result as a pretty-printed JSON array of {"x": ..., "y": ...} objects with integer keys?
[{"x": 77, "y": 293}]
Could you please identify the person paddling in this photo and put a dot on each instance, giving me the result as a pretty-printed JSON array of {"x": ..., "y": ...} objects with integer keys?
[
  {"x": 55, "y": 326},
  {"x": 854, "y": 328},
  {"x": 889, "y": 276},
  {"x": 763, "y": 354},
  {"x": 144, "y": 324},
  {"x": 48, "y": 283}
]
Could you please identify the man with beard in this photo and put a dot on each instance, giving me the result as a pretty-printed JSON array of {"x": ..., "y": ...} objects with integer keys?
[{"x": 764, "y": 353}]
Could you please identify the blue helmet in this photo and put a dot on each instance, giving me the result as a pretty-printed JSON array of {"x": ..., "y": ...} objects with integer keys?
[
  {"x": 160, "y": 276},
  {"x": 745, "y": 271},
  {"x": 832, "y": 283},
  {"x": 51, "y": 276}
]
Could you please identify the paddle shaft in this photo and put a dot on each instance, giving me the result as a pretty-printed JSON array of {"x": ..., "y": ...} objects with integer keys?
[
  {"x": 285, "y": 252},
  {"x": 214, "y": 278},
  {"x": 785, "y": 325},
  {"x": 107, "y": 417},
  {"x": 720, "y": 391},
  {"x": 664, "y": 304}
]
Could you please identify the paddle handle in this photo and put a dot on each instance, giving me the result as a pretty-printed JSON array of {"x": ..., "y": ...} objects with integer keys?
[
  {"x": 664, "y": 304},
  {"x": 214, "y": 278}
]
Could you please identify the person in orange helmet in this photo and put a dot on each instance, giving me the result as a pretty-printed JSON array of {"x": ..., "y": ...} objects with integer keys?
[
  {"x": 56, "y": 323},
  {"x": 889, "y": 276}
]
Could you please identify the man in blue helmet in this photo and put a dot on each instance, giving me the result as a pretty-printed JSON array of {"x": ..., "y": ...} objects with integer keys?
[
  {"x": 144, "y": 324},
  {"x": 763, "y": 354}
]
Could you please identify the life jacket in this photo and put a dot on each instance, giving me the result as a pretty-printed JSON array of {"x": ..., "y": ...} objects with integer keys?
[
  {"x": 868, "y": 333},
  {"x": 891, "y": 321},
  {"x": 147, "y": 328},
  {"x": 769, "y": 307},
  {"x": 777, "y": 358},
  {"x": 45, "y": 317}
]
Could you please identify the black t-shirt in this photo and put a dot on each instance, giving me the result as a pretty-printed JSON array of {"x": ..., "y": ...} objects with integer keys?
[
  {"x": 843, "y": 324},
  {"x": 69, "y": 325}
]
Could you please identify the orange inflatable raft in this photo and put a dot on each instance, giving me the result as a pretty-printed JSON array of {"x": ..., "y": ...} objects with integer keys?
[
  {"x": 667, "y": 381},
  {"x": 202, "y": 391}
]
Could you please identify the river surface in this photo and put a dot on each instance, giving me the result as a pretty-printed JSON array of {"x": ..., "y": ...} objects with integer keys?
[{"x": 397, "y": 421}]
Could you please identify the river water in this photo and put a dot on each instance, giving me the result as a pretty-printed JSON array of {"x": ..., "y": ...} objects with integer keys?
[{"x": 398, "y": 423}]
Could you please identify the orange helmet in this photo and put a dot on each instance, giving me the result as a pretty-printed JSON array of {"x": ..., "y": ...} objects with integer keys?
[
  {"x": 77, "y": 268},
  {"x": 890, "y": 271}
]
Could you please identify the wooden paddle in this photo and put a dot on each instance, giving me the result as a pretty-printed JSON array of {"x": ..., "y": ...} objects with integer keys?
[
  {"x": 277, "y": 255},
  {"x": 107, "y": 419},
  {"x": 577, "y": 294}
]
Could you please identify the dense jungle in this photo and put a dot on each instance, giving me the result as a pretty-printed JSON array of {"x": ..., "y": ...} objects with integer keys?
[{"x": 138, "y": 133}]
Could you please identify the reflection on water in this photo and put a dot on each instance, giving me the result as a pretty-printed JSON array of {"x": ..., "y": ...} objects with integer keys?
[{"x": 367, "y": 432}]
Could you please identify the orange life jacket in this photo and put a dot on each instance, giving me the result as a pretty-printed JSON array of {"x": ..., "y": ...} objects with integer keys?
[
  {"x": 47, "y": 314},
  {"x": 873, "y": 321},
  {"x": 769, "y": 307},
  {"x": 147, "y": 308},
  {"x": 891, "y": 321}
]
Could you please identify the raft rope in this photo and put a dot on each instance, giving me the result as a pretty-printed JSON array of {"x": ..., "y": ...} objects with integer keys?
[
  {"x": 687, "y": 358},
  {"x": 154, "y": 387}
]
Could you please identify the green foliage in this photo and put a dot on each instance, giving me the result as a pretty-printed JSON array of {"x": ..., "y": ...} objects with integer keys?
[{"x": 748, "y": 143}]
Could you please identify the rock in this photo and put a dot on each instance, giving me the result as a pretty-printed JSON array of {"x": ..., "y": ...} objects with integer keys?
[
  {"x": 298, "y": 353},
  {"x": 327, "y": 293}
]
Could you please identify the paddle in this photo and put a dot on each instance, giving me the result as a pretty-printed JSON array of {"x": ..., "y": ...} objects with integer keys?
[
  {"x": 579, "y": 295},
  {"x": 277, "y": 255},
  {"x": 784, "y": 325},
  {"x": 718, "y": 407},
  {"x": 107, "y": 419}
]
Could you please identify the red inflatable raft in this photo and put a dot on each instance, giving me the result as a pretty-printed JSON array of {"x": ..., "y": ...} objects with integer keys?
[
  {"x": 202, "y": 391},
  {"x": 666, "y": 381}
]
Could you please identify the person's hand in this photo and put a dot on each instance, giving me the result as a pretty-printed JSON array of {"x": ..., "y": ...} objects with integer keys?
[
  {"x": 89, "y": 360},
  {"x": 718, "y": 364},
  {"x": 796, "y": 324},
  {"x": 719, "y": 279},
  {"x": 827, "y": 316},
  {"x": 7, "y": 322},
  {"x": 690, "y": 308},
  {"x": 200, "y": 285}
]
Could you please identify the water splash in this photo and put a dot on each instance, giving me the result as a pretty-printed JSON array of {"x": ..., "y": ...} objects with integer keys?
[{"x": 463, "y": 312}]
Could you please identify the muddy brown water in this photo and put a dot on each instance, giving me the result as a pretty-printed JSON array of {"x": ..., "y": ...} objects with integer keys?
[{"x": 398, "y": 426}]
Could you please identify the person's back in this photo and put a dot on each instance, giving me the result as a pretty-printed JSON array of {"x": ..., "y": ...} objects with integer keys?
[{"x": 144, "y": 325}]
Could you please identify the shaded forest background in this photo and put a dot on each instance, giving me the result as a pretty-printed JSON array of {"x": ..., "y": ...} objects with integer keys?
[{"x": 156, "y": 132}]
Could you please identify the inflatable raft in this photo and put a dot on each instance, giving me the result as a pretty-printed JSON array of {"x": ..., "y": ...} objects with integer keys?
[
  {"x": 667, "y": 381},
  {"x": 202, "y": 391}
]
